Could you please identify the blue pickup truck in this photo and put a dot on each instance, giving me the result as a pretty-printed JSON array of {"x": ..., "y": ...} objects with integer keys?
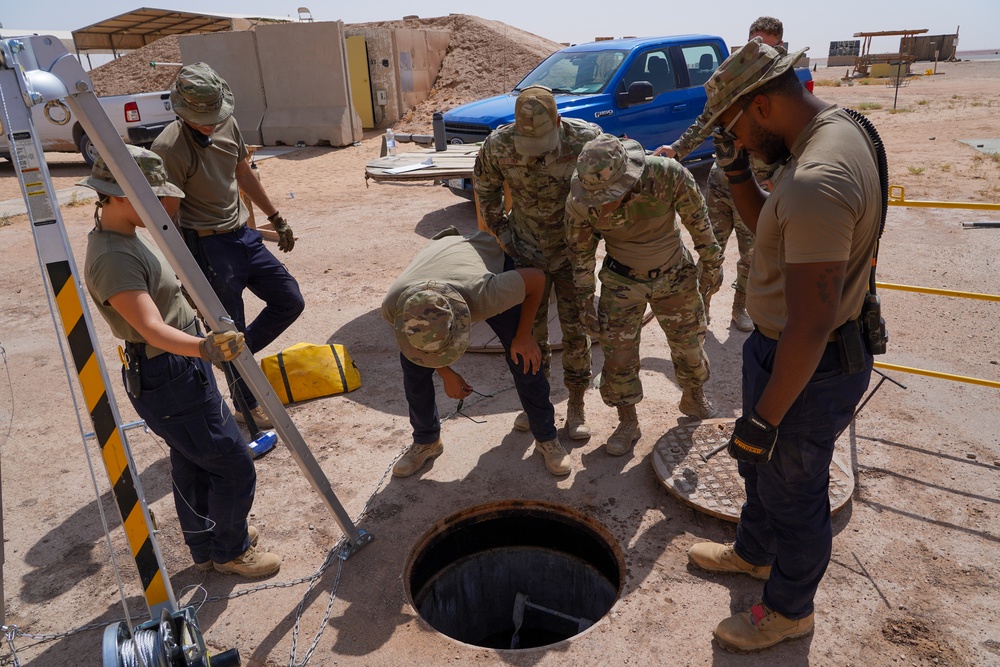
[{"x": 650, "y": 89}]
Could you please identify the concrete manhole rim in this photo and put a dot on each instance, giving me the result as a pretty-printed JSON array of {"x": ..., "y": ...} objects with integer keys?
[
  {"x": 676, "y": 457},
  {"x": 496, "y": 509}
]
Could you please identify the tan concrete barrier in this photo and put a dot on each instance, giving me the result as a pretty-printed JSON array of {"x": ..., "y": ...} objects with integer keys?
[{"x": 304, "y": 69}]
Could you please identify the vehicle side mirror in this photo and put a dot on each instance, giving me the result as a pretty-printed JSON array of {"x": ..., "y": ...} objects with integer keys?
[{"x": 639, "y": 92}]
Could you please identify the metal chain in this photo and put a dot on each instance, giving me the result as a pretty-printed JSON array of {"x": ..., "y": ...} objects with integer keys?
[
  {"x": 9, "y": 632},
  {"x": 336, "y": 553}
]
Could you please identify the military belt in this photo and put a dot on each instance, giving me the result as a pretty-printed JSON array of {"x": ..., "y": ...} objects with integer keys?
[
  {"x": 214, "y": 232},
  {"x": 139, "y": 350},
  {"x": 774, "y": 335},
  {"x": 614, "y": 265}
]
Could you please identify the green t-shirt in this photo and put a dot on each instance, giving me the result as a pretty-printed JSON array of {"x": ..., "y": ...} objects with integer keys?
[
  {"x": 473, "y": 266},
  {"x": 207, "y": 175},
  {"x": 118, "y": 263}
]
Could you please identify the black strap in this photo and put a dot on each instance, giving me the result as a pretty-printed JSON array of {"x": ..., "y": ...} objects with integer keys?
[
  {"x": 340, "y": 368},
  {"x": 284, "y": 377},
  {"x": 882, "y": 163}
]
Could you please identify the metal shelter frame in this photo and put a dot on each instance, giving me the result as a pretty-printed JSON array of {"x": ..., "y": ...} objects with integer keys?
[
  {"x": 134, "y": 30},
  {"x": 904, "y": 56}
]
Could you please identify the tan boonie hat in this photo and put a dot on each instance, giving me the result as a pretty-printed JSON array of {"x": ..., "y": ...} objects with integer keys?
[
  {"x": 102, "y": 180},
  {"x": 745, "y": 70},
  {"x": 536, "y": 122},
  {"x": 200, "y": 96},
  {"x": 607, "y": 168},
  {"x": 432, "y": 324}
]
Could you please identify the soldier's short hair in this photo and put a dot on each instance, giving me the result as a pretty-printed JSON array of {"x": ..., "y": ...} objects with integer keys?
[{"x": 768, "y": 25}]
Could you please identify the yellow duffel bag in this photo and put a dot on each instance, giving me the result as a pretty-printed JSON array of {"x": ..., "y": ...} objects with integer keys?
[{"x": 305, "y": 371}]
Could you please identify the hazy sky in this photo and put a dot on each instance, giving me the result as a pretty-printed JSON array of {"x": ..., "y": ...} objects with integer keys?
[{"x": 813, "y": 24}]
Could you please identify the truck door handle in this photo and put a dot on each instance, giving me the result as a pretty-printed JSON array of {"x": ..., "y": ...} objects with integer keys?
[{"x": 678, "y": 108}]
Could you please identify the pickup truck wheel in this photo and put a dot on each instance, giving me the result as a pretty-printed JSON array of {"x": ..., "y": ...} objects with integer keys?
[{"x": 87, "y": 149}]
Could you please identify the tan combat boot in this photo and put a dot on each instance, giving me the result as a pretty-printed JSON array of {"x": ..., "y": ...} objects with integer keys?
[
  {"x": 259, "y": 418},
  {"x": 251, "y": 564},
  {"x": 415, "y": 457},
  {"x": 760, "y": 628},
  {"x": 715, "y": 557},
  {"x": 626, "y": 434},
  {"x": 521, "y": 422},
  {"x": 740, "y": 317},
  {"x": 695, "y": 404},
  {"x": 556, "y": 459},
  {"x": 251, "y": 531},
  {"x": 576, "y": 420},
  {"x": 706, "y": 300}
]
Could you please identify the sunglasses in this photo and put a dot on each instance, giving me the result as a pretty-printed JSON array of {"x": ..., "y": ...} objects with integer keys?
[{"x": 727, "y": 131}]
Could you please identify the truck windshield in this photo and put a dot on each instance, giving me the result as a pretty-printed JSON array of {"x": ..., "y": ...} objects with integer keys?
[{"x": 576, "y": 73}]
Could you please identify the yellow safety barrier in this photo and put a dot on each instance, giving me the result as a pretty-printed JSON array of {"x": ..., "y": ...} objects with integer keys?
[
  {"x": 939, "y": 292},
  {"x": 897, "y": 197},
  {"x": 935, "y": 374}
]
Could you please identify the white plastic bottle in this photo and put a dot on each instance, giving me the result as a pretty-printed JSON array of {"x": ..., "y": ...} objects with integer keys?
[{"x": 390, "y": 143}]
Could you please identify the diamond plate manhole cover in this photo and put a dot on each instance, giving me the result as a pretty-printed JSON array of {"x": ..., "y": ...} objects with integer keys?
[{"x": 715, "y": 486}]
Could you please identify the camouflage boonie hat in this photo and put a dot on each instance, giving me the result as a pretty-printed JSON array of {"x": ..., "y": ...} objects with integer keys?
[
  {"x": 536, "y": 122},
  {"x": 432, "y": 324},
  {"x": 745, "y": 70},
  {"x": 102, "y": 180},
  {"x": 200, "y": 96},
  {"x": 607, "y": 168}
]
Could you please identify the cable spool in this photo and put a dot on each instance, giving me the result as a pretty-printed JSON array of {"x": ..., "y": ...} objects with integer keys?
[{"x": 173, "y": 641}]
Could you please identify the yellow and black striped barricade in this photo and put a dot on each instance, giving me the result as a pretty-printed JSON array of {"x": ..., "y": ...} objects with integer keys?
[{"x": 73, "y": 318}]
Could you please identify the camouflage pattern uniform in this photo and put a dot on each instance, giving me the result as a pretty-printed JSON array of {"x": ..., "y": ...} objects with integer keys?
[
  {"x": 648, "y": 214},
  {"x": 721, "y": 208},
  {"x": 534, "y": 231}
]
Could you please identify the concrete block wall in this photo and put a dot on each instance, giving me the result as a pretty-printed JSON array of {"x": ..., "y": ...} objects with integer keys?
[
  {"x": 382, "y": 70},
  {"x": 306, "y": 81},
  {"x": 418, "y": 55},
  {"x": 290, "y": 81}
]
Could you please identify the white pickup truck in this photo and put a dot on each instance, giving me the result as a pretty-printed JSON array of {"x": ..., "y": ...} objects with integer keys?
[{"x": 138, "y": 118}]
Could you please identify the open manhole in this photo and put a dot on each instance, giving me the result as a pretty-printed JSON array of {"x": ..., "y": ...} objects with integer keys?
[{"x": 514, "y": 574}]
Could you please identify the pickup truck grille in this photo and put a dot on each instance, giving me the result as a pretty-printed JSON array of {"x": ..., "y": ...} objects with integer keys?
[{"x": 468, "y": 132}]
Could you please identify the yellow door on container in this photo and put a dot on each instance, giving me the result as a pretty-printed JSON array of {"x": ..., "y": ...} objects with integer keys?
[{"x": 361, "y": 85}]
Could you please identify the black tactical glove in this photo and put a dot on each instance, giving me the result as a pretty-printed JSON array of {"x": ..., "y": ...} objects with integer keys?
[
  {"x": 753, "y": 439},
  {"x": 726, "y": 154},
  {"x": 286, "y": 240}
]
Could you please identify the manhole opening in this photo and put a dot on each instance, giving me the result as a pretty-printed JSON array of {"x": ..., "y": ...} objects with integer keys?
[{"x": 515, "y": 575}]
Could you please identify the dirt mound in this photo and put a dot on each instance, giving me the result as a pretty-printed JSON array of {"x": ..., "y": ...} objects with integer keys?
[
  {"x": 132, "y": 73},
  {"x": 484, "y": 58}
]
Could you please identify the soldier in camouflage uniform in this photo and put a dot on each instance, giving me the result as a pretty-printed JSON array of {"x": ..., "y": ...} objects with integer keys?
[
  {"x": 535, "y": 155},
  {"x": 632, "y": 202},
  {"x": 722, "y": 212},
  {"x": 453, "y": 282}
]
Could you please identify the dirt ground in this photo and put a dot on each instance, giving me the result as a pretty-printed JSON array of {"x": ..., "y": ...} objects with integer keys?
[{"x": 914, "y": 575}]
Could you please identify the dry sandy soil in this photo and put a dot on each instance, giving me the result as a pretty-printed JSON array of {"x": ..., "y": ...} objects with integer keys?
[{"x": 914, "y": 575}]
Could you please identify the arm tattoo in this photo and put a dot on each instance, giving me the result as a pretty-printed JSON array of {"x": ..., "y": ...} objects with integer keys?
[{"x": 827, "y": 285}]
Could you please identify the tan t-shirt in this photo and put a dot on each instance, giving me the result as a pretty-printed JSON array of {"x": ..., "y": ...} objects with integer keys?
[
  {"x": 473, "y": 266},
  {"x": 207, "y": 175},
  {"x": 825, "y": 207}
]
